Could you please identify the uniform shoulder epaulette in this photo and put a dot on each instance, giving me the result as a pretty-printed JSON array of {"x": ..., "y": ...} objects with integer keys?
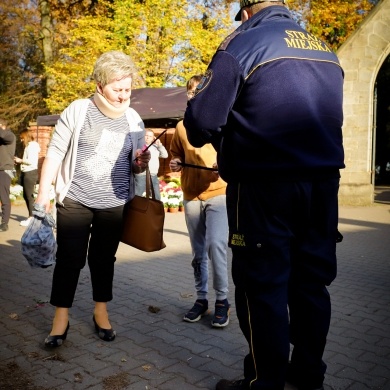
[{"x": 227, "y": 40}]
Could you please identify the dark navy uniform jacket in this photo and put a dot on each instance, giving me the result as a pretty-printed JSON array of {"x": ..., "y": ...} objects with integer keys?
[{"x": 271, "y": 102}]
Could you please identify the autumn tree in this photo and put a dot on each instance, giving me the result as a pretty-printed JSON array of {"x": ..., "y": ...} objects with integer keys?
[
  {"x": 31, "y": 33},
  {"x": 208, "y": 24},
  {"x": 169, "y": 40},
  {"x": 20, "y": 63},
  {"x": 331, "y": 20},
  {"x": 48, "y": 47}
]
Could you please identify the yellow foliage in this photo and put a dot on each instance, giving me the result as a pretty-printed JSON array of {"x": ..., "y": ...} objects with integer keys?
[
  {"x": 169, "y": 41},
  {"x": 73, "y": 69},
  {"x": 332, "y": 20}
]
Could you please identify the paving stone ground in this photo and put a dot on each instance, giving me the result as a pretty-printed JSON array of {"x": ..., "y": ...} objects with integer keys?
[{"x": 160, "y": 351}]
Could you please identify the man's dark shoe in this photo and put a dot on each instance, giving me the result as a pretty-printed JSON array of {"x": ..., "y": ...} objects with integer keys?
[
  {"x": 303, "y": 387},
  {"x": 199, "y": 309},
  {"x": 293, "y": 379},
  {"x": 3, "y": 227},
  {"x": 307, "y": 388},
  {"x": 224, "y": 384}
]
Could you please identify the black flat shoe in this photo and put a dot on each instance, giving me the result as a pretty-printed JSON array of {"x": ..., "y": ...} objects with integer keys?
[
  {"x": 56, "y": 341},
  {"x": 104, "y": 334}
]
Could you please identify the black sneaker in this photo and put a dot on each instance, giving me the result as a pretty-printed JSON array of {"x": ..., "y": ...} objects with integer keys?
[
  {"x": 3, "y": 227},
  {"x": 224, "y": 384},
  {"x": 221, "y": 314},
  {"x": 199, "y": 309}
]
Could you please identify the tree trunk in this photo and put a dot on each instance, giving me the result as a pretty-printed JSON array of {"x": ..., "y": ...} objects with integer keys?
[{"x": 47, "y": 41}]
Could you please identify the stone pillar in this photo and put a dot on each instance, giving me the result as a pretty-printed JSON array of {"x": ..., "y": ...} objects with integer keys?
[{"x": 361, "y": 57}]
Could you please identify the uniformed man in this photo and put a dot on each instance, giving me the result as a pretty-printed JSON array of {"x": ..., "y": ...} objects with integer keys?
[{"x": 271, "y": 104}]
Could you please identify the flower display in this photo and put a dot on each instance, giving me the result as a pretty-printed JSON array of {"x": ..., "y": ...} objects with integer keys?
[
  {"x": 164, "y": 198},
  {"x": 171, "y": 193},
  {"x": 173, "y": 202},
  {"x": 16, "y": 192}
]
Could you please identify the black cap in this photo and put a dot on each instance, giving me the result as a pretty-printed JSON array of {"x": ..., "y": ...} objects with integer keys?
[{"x": 247, "y": 3}]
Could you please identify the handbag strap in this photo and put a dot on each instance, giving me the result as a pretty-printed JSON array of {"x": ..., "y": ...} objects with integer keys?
[{"x": 149, "y": 184}]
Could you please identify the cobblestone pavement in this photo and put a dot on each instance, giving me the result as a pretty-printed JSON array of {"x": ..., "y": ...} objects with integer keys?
[{"x": 154, "y": 348}]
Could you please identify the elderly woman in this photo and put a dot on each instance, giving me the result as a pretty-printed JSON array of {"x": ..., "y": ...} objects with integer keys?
[{"x": 92, "y": 157}]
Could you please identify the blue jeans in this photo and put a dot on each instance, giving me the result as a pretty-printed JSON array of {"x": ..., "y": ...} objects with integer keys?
[
  {"x": 208, "y": 230},
  {"x": 140, "y": 185}
]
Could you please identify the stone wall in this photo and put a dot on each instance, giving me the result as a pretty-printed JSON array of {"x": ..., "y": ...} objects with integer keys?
[{"x": 361, "y": 57}]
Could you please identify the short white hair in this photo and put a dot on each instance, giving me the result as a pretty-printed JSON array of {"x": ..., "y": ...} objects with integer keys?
[{"x": 112, "y": 65}]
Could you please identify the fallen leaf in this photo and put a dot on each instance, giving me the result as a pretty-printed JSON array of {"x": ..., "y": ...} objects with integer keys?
[
  {"x": 154, "y": 309},
  {"x": 186, "y": 295}
]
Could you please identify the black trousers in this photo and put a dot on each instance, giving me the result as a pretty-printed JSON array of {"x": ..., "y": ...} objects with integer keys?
[
  {"x": 28, "y": 181},
  {"x": 283, "y": 239},
  {"x": 84, "y": 233},
  {"x": 5, "y": 184}
]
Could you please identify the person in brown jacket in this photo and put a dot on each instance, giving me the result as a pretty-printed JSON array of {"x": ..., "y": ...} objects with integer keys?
[{"x": 206, "y": 219}]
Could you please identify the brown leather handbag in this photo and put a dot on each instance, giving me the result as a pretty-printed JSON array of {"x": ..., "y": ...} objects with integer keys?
[{"x": 143, "y": 220}]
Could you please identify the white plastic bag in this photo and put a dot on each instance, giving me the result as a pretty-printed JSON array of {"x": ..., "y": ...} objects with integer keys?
[{"x": 39, "y": 245}]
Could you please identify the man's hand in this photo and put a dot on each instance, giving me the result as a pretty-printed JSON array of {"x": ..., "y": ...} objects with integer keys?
[
  {"x": 216, "y": 173},
  {"x": 174, "y": 166}
]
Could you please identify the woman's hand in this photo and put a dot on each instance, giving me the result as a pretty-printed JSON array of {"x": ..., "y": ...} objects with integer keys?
[
  {"x": 174, "y": 166},
  {"x": 18, "y": 160},
  {"x": 44, "y": 200},
  {"x": 141, "y": 160}
]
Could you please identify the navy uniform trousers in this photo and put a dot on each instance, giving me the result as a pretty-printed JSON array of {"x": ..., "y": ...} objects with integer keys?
[{"x": 283, "y": 239}]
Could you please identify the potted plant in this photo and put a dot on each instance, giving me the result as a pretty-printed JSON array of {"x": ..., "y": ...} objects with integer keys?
[
  {"x": 173, "y": 204},
  {"x": 164, "y": 199}
]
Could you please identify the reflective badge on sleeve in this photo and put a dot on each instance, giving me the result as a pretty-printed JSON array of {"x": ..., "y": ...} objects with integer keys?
[{"x": 204, "y": 82}]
